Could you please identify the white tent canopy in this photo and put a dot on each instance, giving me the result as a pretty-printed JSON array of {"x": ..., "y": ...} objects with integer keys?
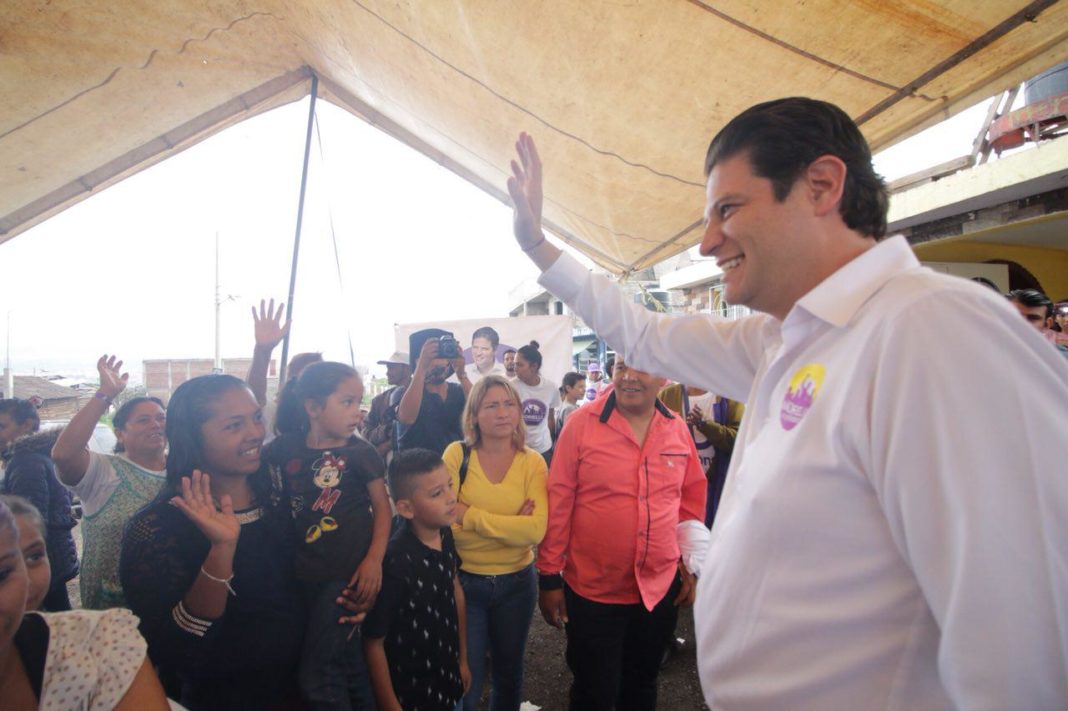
[{"x": 622, "y": 97}]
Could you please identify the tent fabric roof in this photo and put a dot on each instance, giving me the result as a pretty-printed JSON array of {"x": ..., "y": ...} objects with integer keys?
[{"x": 621, "y": 97}]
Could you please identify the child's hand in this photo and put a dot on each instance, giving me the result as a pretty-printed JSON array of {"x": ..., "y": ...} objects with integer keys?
[
  {"x": 267, "y": 325},
  {"x": 465, "y": 675},
  {"x": 366, "y": 582},
  {"x": 527, "y": 509},
  {"x": 358, "y": 612},
  {"x": 695, "y": 418}
]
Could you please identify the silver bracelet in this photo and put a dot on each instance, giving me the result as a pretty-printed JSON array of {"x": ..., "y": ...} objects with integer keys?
[{"x": 224, "y": 581}]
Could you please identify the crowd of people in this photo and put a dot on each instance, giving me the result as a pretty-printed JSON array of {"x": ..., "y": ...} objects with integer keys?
[{"x": 879, "y": 524}]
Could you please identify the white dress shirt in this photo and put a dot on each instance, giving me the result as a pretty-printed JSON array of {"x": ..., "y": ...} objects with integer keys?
[{"x": 894, "y": 528}]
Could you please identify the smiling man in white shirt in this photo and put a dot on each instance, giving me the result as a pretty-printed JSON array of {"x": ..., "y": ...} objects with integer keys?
[{"x": 892, "y": 530}]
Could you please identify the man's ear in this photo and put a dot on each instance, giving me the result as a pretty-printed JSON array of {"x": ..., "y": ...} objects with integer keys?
[
  {"x": 825, "y": 180},
  {"x": 404, "y": 508}
]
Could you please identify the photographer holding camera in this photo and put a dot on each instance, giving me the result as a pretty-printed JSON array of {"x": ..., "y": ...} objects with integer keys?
[{"x": 429, "y": 412}]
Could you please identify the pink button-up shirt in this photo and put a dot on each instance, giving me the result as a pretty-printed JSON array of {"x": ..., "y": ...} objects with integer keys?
[{"x": 614, "y": 504}]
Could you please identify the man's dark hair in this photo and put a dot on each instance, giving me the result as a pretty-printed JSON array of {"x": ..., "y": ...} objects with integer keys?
[
  {"x": 489, "y": 334},
  {"x": 406, "y": 465},
  {"x": 1032, "y": 298},
  {"x": 570, "y": 379},
  {"x": 783, "y": 137}
]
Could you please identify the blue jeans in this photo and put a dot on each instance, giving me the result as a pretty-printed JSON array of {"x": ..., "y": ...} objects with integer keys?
[
  {"x": 499, "y": 610},
  {"x": 333, "y": 673}
]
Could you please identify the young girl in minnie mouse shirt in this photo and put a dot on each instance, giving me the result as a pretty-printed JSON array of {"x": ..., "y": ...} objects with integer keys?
[{"x": 341, "y": 514}]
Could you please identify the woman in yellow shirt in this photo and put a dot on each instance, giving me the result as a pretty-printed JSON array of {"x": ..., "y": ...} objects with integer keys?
[{"x": 501, "y": 513}]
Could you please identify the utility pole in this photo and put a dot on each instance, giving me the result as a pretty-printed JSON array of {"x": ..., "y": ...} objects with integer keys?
[
  {"x": 9, "y": 377},
  {"x": 218, "y": 310}
]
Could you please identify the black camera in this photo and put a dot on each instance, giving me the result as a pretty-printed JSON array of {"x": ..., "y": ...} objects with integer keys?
[{"x": 448, "y": 347}]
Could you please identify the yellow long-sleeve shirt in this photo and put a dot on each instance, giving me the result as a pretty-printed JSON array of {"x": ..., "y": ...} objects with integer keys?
[{"x": 491, "y": 539}]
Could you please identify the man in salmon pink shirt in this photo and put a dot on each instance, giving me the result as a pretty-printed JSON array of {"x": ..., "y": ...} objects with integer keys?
[{"x": 626, "y": 504}]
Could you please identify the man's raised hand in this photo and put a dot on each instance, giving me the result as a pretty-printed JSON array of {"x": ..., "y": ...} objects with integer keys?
[{"x": 525, "y": 188}]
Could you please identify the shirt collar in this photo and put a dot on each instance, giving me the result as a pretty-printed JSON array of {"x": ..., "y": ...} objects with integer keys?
[
  {"x": 610, "y": 406},
  {"x": 839, "y": 297}
]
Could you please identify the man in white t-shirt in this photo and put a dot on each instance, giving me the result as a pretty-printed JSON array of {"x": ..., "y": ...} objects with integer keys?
[
  {"x": 891, "y": 534},
  {"x": 594, "y": 381}
]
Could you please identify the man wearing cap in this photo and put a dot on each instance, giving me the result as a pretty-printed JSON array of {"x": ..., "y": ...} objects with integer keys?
[
  {"x": 594, "y": 381},
  {"x": 428, "y": 412},
  {"x": 378, "y": 427}
]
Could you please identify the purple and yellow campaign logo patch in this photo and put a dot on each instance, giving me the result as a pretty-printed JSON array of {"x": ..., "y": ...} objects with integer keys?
[{"x": 801, "y": 393}]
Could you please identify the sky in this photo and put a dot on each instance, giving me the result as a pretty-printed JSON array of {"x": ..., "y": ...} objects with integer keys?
[{"x": 131, "y": 270}]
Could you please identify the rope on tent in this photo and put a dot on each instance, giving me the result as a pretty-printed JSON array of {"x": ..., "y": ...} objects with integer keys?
[
  {"x": 333, "y": 237},
  {"x": 296, "y": 238}
]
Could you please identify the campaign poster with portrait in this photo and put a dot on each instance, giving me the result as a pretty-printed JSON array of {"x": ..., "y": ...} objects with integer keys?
[{"x": 553, "y": 334}]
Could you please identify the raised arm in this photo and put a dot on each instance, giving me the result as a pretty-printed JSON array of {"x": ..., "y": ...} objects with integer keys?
[
  {"x": 408, "y": 410},
  {"x": 69, "y": 452},
  {"x": 176, "y": 582},
  {"x": 207, "y": 597},
  {"x": 525, "y": 188},
  {"x": 269, "y": 332},
  {"x": 680, "y": 348}
]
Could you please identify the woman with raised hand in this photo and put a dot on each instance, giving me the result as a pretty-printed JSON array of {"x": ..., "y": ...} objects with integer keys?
[
  {"x": 208, "y": 565},
  {"x": 80, "y": 659},
  {"x": 501, "y": 514},
  {"x": 111, "y": 486}
]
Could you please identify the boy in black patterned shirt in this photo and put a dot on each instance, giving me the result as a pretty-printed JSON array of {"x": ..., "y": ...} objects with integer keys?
[{"x": 415, "y": 637}]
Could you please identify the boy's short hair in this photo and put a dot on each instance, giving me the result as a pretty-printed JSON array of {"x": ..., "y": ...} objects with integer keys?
[{"x": 405, "y": 466}]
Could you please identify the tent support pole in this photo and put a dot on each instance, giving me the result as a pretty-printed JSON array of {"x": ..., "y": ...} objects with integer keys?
[{"x": 296, "y": 237}]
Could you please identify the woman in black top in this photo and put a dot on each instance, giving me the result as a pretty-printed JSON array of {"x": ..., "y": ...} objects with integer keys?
[{"x": 208, "y": 566}]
